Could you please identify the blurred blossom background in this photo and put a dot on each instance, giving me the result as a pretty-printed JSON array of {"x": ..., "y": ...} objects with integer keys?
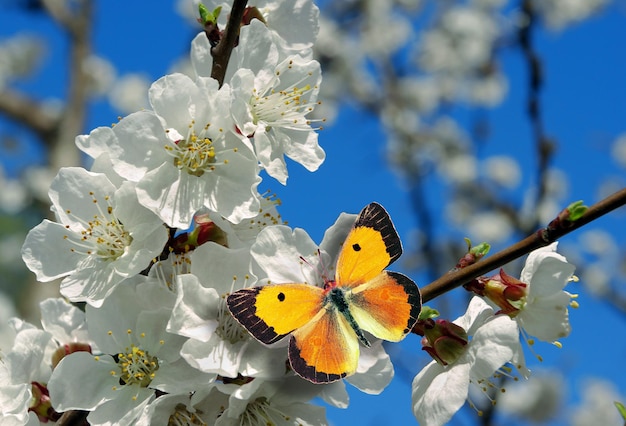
[{"x": 477, "y": 118}]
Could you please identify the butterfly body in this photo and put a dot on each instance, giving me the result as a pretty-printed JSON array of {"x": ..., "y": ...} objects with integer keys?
[{"x": 326, "y": 323}]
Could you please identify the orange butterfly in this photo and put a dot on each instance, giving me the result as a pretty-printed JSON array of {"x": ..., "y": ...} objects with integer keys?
[{"x": 327, "y": 323}]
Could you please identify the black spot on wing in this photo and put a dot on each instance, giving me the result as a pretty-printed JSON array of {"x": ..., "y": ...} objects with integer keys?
[
  {"x": 308, "y": 372},
  {"x": 415, "y": 297},
  {"x": 375, "y": 216},
  {"x": 241, "y": 306}
]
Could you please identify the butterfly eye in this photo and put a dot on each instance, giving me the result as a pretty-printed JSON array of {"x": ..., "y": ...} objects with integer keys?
[
  {"x": 281, "y": 297},
  {"x": 356, "y": 247}
]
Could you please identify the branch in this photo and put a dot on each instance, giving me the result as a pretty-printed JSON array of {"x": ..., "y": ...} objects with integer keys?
[
  {"x": 63, "y": 151},
  {"x": 27, "y": 112},
  {"x": 541, "y": 238},
  {"x": 221, "y": 52},
  {"x": 544, "y": 145}
]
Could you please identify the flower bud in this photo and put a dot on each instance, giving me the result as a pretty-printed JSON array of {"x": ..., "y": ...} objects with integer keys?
[
  {"x": 205, "y": 230},
  {"x": 67, "y": 349},
  {"x": 508, "y": 293},
  {"x": 40, "y": 404},
  {"x": 443, "y": 340}
]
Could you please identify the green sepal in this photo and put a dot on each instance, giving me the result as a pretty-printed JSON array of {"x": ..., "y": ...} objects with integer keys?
[{"x": 427, "y": 313}]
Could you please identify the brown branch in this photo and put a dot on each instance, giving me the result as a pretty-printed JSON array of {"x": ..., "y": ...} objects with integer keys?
[
  {"x": 544, "y": 145},
  {"x": 63, "y": 151},
  {"x": 27, "y": 112},
  {"x": 221, "y": 52},
  {"x": 539, "y": 239}
]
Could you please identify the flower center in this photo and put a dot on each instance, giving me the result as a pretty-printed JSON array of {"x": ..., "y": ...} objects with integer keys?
[
  {"x": 104, "y": 236},
  {"x": 228, "y": 328},
  {"x": 138, "y": 366},
  {"x": 285, "y": 108},
  {"x": 260, "y": 411},
  {"x": 194, "y": 153},
  {"x": 182, "y": 417}
]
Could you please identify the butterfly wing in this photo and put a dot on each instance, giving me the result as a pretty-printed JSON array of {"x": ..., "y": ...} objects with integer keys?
[
  {"x": 386, "y": 306},
  {"x": 371, "y": 246},
  {"x": 271, "y": 312},
  {"x": 326, "y": 349}
]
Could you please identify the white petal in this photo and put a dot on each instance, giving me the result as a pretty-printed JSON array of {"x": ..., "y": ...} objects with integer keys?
[
  {"x": 142, "y": 141},
  {"x": 222, "y": 268},
  {"x": 47, "y": 253},
  {"x": 65, "y": 322},
  {"x": 278, "y": 251},
  {"x": 374, "y": 371},
  {"x": 492, "y": 346},
  {"x": 94, "y": 376},
  {"x": 438, "y": 393},
  {"x": 196, "y": 309},
  {"x": 547, "y": 319}
]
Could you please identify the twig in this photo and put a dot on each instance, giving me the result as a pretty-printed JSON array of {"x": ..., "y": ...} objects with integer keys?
[
  {"x": 221, "y": 52},
  {"x": 539, "y": 239},
  {"x": 544, "y": 145}
]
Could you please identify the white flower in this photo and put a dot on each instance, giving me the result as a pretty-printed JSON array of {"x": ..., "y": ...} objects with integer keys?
[
  {"x": 560, "y": 13},
  {"x": 461, "y": 42},
  {"x": 24, "y": 371},
  {"x": 598, "y": 404},
  {"x": 186, "y": 155},
  {"x": 65, "y": 322},
  {"x": 537, "y": 400},
  {"x": 544, "y": 313},
  {"x": 440, "y": 391},
  {"x": 217, "y": 343},
  {"x": 130, "y": 93},
  {"x": 138, "y": 357},
  {"x": 271, "y": 107},
  {"x": 103, "y": 236},
  {"x": 281, "y": 402}
]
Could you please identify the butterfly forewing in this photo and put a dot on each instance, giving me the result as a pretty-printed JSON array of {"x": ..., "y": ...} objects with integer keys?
[
  {"x": 370, "y": 247},
  {"x": 324, "y": 350},
  {"x": 271, "y": 312},
  {"x": 386, "y": 306}
]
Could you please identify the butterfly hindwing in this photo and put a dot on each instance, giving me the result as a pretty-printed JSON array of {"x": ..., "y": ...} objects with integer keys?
[
  {"x": 371, "y": 246},
  {"x": 271, "y": 312},
  {"x": 324, "y": 350},
  {"x": 386, "y": 306}
]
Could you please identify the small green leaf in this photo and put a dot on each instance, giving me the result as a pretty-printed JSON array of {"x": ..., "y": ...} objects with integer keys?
[
  {"x": 204, "y": 13},
  {"x": 208, "y": 17},
  {"x": 428, "y": 313},
  {"x": 480, "y": 250},
  {"x": 576, "y": 210}
]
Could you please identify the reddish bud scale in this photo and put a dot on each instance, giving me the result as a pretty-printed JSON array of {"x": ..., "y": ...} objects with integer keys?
[
  {"x": 443, "y": 340},
  {"x": 67, "y": 349},
  {"x": 41, "y": 405}
]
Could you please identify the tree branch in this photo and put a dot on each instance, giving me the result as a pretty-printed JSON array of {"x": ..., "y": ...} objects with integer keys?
[
  {"x": 221, "y": 52},
  {"x": 541, "y": 238},
  {"x": 27, "y": 112}
]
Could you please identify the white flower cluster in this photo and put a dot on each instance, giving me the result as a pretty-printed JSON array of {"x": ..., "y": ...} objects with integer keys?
[{"x": 169, "y": 220}]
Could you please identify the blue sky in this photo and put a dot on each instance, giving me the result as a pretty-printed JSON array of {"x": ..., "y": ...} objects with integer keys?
[{"x": 584, "y": 104}]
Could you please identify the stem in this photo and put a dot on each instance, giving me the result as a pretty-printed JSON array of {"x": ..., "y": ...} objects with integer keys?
[
  {"x": 221, "y": 52},
  {"x": 532, "y": 242}
]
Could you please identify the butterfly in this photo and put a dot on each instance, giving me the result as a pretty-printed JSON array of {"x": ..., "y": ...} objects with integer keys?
[{"x": 326, "y": 323}]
